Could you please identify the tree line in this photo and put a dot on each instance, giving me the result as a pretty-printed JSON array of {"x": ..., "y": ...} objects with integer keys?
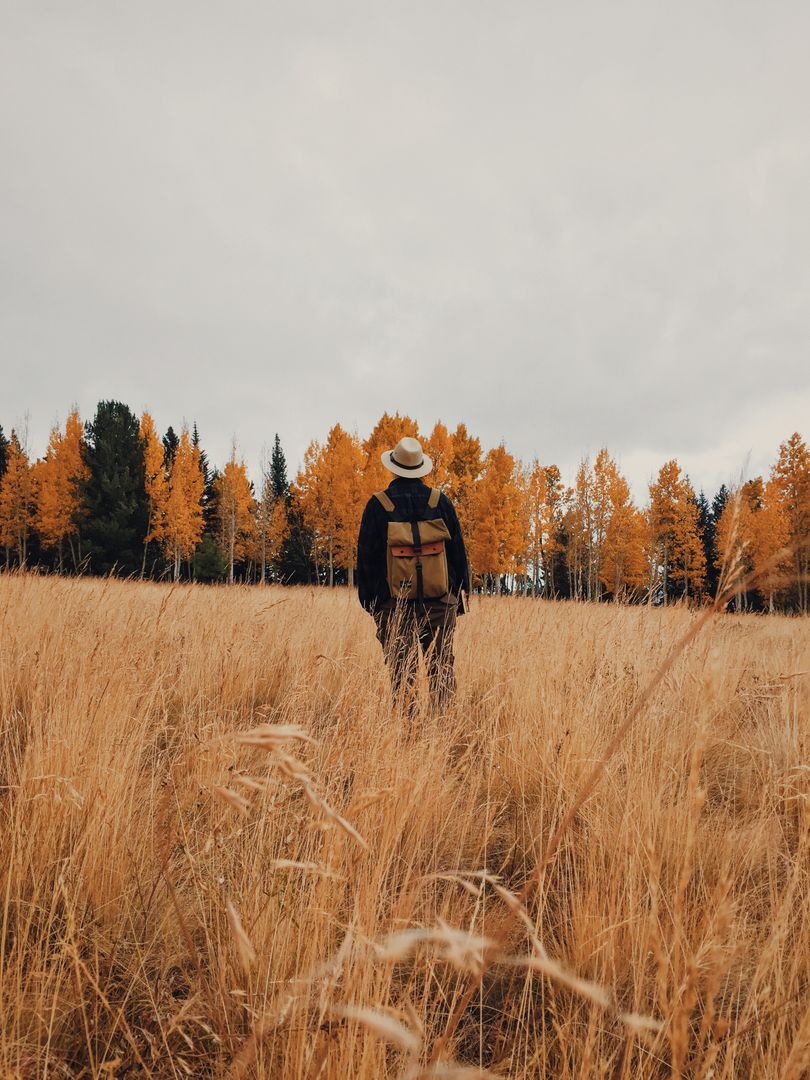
[{"x": 113, "y": 496}]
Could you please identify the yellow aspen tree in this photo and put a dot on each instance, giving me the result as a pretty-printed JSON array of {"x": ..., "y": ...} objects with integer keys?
[
  {"x": 184, "y": 513},
  {"x": 58, "y": 480},
  {"x": 688, "y": 567},
  {"x": 791, "y": 479},
  {"x": 385, "y": 435},
  {"x": 678, "y": 556},
  {"x": 770, "y": 535},
  {"x": 605, "y": 478},
  {"x": 465, "y": 468},
  {"x": 623, "y": 562},
  {"x": 734, "y": 535},
  {"x": 498, "y": 534},
  {"x": 346, "y": 466},
  {"x": 330, "y": 492},
  {"x": 235, "y": 512},
  {"x": 156, "y": 483},
  {"x": 578, "y": 521},
  {"x": 752, "y": 530},
  {"x": 551, "y": 510},
  {"x": 17, "y": 501},
  {"x": 313, "y": 502},
  {"x": 588, "y": 523},
  {"x": 439, "y": 447},
  {"x": 663, "y": 517},
  {"x": 537, "y": 536}
]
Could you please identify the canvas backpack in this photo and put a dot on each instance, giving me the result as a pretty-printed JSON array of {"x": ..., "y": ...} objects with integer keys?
[{"x": 417, "y": 559}]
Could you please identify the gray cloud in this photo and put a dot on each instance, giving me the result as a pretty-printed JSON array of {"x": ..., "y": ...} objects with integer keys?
[{"x": 566, "y": 225}]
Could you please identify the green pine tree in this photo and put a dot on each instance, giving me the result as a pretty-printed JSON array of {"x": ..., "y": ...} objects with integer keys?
[
  {"x": 209, "y": 562},
  {"x": 295, "y": 564},
  {"x": 204, "y": 466},
  {"x": 170, "y": 443},
  {"x": 706, "y": 530},
  {"x": 3, "y": 450},
  {"x": 278, "y": 472},
  {"x": 115, "y": 497}
]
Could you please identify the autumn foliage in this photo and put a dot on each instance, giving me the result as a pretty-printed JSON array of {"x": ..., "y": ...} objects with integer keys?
[{"x": 527, "y": 531}]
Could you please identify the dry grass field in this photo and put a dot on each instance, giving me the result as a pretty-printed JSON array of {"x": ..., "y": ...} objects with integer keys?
[{"x": 323, "y": 913}]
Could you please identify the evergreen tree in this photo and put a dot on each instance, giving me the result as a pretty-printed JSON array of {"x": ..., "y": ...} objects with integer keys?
[
  {"x": 295, "y": 564},
  {"x": 115, "y": 491},
  {"x": 209, "y": 562},
  {"x": 170, "y": 444},
  {"x": 210, "y": 502},
  {"x": 718, "y": 505},
  {"x": 209, "y": 476},
  {"x": 3, "y": 451},
  {"x": 278, "y": 472},
  {"x": 203, "y": 456}
]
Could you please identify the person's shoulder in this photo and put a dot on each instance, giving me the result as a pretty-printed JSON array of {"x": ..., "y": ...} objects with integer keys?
[
  {"x": 445, "y": 502},
  {"x": 373, "y": 501}
]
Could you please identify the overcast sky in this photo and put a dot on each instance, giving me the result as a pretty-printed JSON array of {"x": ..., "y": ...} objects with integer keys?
[{"x": 568, "y": 224}]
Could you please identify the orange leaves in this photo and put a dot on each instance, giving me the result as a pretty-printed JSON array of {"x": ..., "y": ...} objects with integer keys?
[
  {"x": 497, "y": 541},
  {"x": 156, "y": 481},
  {"x": 439, "y": 447},
  {"x": 59, "y": 477},
  {"x": 676, "y": 547},
  {"x": 17, "y": 487},
  {"x": 331, "y": 492},
  {"x": 790, "y": 477},
  {"x": 606, "y": 533},
  {"x": 544, "y": 498},
  {"x": 174, "y": 491},
  {"x": 234, "y": 510},
  {"x": 184, "y": 516},
  {"x": 753, "y": 527},
  {"x": 623, "y": 567}
]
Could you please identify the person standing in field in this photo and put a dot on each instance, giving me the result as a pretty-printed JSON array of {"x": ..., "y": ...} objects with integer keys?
[{"x": 412, "y": 573}]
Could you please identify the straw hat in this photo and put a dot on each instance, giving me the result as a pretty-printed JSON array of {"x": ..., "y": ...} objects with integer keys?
[{"x": 407, "y": 459}]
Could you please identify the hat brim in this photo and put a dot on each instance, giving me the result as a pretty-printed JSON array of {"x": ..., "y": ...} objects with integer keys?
[{"x": 397, "y": 470}]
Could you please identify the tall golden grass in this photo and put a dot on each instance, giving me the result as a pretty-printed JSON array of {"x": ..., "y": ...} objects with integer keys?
[{"x": 225, "y": 854}]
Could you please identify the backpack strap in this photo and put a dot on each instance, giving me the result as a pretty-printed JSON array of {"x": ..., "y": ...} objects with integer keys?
[
  {"x": 433, "y": 499},
  {"x": 384, "y": 500}
]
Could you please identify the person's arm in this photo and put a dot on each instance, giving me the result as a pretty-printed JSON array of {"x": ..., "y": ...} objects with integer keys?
[
  {"x": 367, "y": 557},
  {"x": 456, "y": 551}
]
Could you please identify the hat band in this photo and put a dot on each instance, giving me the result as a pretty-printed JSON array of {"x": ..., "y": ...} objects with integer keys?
[{"x": 399, "y": 465}]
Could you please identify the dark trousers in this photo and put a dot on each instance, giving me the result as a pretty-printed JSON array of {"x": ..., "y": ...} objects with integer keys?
[{"x": 405, "y": 626}]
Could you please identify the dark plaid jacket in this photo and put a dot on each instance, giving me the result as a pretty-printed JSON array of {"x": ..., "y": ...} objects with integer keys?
[{"x": 410, "y": 499}]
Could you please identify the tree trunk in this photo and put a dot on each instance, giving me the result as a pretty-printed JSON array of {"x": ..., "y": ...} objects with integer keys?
[
  {"x": 231, "y": 545},
  {"x": 665, "y": 568}
]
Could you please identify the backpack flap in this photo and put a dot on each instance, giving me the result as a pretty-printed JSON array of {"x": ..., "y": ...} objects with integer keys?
[{"x": 417, "y": 559}]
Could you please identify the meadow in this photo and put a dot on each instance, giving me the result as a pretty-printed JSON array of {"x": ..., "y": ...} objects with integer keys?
[{"x": 224, "y": 854}]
